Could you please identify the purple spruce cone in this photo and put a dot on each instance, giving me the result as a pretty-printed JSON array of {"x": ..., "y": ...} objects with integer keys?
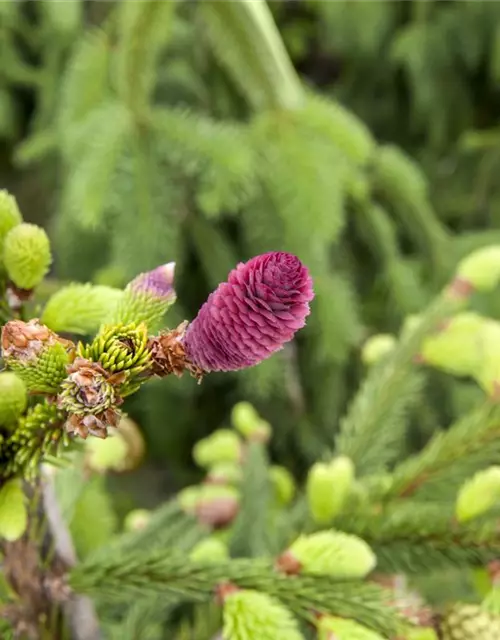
[
  {"x": 158, "y": 283},
  {"x": 251, "y": 316}
]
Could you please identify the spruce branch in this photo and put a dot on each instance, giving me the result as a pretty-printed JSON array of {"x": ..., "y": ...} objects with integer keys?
[
  {"x": 369, "y": 432},
  {"x": 248, "y": 43},
  {"x": 450, "y": 457},
  {"x": 172, "y": 573}
]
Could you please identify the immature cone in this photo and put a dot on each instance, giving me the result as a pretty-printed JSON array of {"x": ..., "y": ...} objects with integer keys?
[
  {"x": 13, "y": 397},
  {"x": 252, "y": 315},
  {"x": 90, "y": 396},
  {"x": 332, "y": 553},
  {"x": 10, "y": 216},
  {"x": 136, "y": 520},
  {"x": 27, "y": 256},
  {"x": 217, "y": 505},
  {"x": 469, "y": 622},
  {"x": 225, "y": 473},
  {"x": 36, "y": 354},
  {"x": 121, "y": 451},
  {"x": 148, "y": 297},
  {"x": 250, "y": 614}
]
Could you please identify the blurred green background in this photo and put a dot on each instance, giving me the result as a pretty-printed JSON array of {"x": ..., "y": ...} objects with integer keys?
[{"x": 362, "y": 136}]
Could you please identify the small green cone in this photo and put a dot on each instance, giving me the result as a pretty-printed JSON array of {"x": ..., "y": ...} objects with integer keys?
[
  {"x": 469, "y": 622},
  {"x": 27, "y": 255},
  {"x": 250, "y": 615},
  {"x": 136, "y": 520},
  {"x": 13, "y": 398},
  {"x": 13, "y": 512},
  {"x": 10, "y": 216},
  {"x": 247, "y": 421}
]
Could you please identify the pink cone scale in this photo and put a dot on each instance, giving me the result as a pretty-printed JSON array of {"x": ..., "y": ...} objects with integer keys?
[{"x": 264, "y": 302}]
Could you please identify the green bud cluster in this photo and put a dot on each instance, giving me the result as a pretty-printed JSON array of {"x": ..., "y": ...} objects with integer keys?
[
  {"x": 39, "y": 433},
  {"x": 45, "y": 373},
  {"x": 119, "y": 348}
]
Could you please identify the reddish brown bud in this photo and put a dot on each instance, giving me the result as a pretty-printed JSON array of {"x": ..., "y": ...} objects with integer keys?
[
  {"x": 169, "y": 355},
  {"x": 287, "y": 563}
]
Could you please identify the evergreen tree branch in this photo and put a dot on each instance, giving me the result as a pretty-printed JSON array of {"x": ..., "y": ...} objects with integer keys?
[
  {"x": 171, "y": 573},
  {"x": 369, "y": 431},
  {"x": 451, "y": 457},
  {"x": 247, "y": 41}
]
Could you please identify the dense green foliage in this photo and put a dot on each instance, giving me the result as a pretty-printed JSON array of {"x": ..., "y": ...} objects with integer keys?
[{"x": 361, "y": 136}]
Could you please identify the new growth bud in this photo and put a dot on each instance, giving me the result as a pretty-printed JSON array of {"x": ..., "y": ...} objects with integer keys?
[
  {"x": 247, "y": 421},
  {"x": 251, "y": 614},
  {"x": 328, "y": 486},
  {"x": 331, "y": 553},
  {"x": 284, "y": 484},
  {"x": 222, "y": 445},
  {"x": 479, "y": 494},
  {"x": 13, "y": 512},
  {"x": 333, "y": 628},
  {"x": 377, "y": 347},
  {"x": 13, "y": 398},
  {"x": 480, "y": 270},
  {"x": 27, "y": 255},
  {"x": 208, "y": 551},
  {"x": 10, "y": 216},
  {"x": 148, "y": 297},
  {"x": 36, "y": 354}
]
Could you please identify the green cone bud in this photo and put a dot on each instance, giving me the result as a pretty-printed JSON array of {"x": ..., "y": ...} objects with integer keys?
[
  {"x": 469, "y": 622},
  {"x": 247, "y": 421},
  {"x": 13, "y": 512},
  {"x": 333, "y": 628},
  {"x": 217, "y": 505},
  {"x": 328, "y": 486},
  {"x": 284, "y": 484},
  {"x": 10, "y": 216},
  {"x": 189, "y": 497},
  {"x": 376, "y": 347},
  {"x": 109, "y": 454},
  {"x": 209, "y": 551},
  {"x": 491, "y": 603},
  {"x": 421, "y": 634},
  {"x": 26, "y": 255},
  {"x": 137, "y": 519},
  {"x": 332, "y": 553},
  {"x": 456, "y": 349},
  {"x": 80, "y": 308},
  {"x": 13, "y": 398},
  {"x": 249, "y": 615},
  {"x": 487, "y": 373},
  {"x": 478, "y": 495},
  {"x": 481, "y": 269},
  {"x": 225, "y": 473},
  {"x": 223, "y": 445}
]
